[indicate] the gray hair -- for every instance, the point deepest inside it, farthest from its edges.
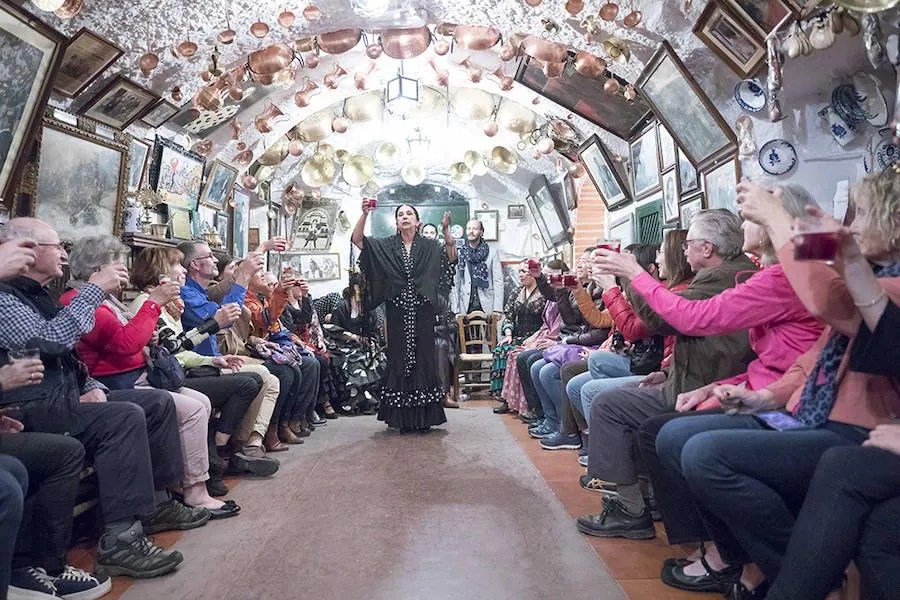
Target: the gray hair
(190, 252)
(795, 199)
(92, 253)
(722, 229)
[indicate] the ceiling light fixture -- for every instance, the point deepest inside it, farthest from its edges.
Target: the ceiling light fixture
(402, 94)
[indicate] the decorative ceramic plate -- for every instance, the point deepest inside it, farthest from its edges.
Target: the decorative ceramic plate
(872, 98)
(457, 231)
(777, 157)
(750, 95)
(880, 151)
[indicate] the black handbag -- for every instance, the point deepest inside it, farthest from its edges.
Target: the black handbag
(164, 371)
(646, 355)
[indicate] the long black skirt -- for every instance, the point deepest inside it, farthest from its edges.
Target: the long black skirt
(411, 397)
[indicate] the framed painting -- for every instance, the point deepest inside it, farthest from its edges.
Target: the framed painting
(490, 220)
(511, 280)
(313, 267)
(81, 181)
(86, 57)
(602, 172)
(313, 227)
(240, 223)
(219, 184)
(719, 185)
(223, 226)
(119, 104)
(689, 208)
(137, 163)
(685, 110)
(763, 15)
(731, 39)
(687, 175)
(515, 212)
(645, 163)
(623, 230)
(176, 174)
(670, 196)
(159, 114)
(548, 210)
(667, 156)
(30, 52)
(180, 224)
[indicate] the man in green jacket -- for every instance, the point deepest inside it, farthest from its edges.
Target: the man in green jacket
(713, 249)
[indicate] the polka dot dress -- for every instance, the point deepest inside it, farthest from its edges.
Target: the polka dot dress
(408, 301)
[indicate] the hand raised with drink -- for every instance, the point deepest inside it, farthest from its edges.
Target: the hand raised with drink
(165, 293)
(757, 204)
(16, 257)
(277, 243)
(614, 263)
(303, 285)
(368, 206)
(227, 314)
(110, 278)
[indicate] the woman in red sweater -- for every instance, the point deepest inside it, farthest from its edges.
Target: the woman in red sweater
(114, 353)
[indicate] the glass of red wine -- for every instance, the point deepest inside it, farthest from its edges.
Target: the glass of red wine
(534, 267)
(815, 238)
(556, 280)
(570, 282)
(611, 245)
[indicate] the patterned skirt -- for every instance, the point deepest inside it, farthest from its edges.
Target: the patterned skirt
(513, 393)
(498, 367)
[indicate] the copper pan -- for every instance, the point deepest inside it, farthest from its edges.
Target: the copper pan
(553, 69)
(264, 64)
(545, 50)
(589, 65)
(476, 37)
(338, 42)
(405, 43)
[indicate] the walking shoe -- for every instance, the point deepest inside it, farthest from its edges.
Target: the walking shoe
(253, 460)
(528, 416)
(583, 460)
(30, 583)
(595, 484)
(502, 409)
(537, 424)
(316, 420)
(75, 584)
(616, 521)
(541, 432)
(132, 553)
(172, 514)
(558, 441)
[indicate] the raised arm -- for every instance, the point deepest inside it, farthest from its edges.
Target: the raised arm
(358, 234)
(449, 242)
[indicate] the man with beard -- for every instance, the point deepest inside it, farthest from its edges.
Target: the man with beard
(479, 277)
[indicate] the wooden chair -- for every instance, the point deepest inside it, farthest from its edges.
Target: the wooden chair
(477, 339)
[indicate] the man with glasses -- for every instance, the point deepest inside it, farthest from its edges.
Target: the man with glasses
(198, 307)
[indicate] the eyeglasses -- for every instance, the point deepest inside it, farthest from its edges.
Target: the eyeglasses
(57, 245)
(210, 255)
(686, 243)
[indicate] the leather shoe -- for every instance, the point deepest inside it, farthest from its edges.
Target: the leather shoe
(711, 581)
(528, 416)
(216, 487)
(502, 409)
(329, 410)
(287, 436)
(271, 441)
(450, 403)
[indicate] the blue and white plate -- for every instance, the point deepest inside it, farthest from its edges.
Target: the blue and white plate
(750, 95)
(777, 157)
(881, 151)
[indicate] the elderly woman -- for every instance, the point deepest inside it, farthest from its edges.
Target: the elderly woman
(114, 354)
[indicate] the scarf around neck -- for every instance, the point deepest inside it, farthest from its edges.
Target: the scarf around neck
(476, 259)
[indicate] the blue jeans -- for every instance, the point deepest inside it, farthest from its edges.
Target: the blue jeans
(749, 480)
(13, 484)
(548, 385)
(573, 391)
(603, 364)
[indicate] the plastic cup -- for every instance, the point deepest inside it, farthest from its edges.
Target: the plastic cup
(556, 280)
(371, 203)
(815, 239)
(25, 354)
(570, 282)
(611, 245)
(534, 267)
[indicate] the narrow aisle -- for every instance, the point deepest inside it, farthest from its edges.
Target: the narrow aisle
(360, 512)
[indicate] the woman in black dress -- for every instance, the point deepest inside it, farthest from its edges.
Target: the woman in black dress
(406, 272)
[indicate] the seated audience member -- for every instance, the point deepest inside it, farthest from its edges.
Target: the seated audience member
(225, 265)
(768, 456)
(713, 249)
(522, 317)
(230, 393)
(351, 338)
(114, 353)
(518, 375)
(114, 434)
(198, 307)
(296, 368)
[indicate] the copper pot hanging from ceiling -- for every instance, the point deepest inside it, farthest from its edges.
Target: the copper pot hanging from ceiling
(227, 35)
(589, 65)
(333, 79)
(374, 51)
(447, 29)
(476, 37)
(361, 78)
(475, 73)
(69, 9)
(236, 127)
(533, 3)
(148, 62)
(609, 11)
(259, 29)
(403, 44)
(611, 86)
(633, 19)
(505, 81)
(249, 182)
(573, 7)
(441, 76)
(203, 147)
(312, 61)
(338, 42)
(236, 91)
(186, 48)
(286, 19)
(545, 50)
(441, 47)
(508, 52)
(243, 157)
(211, 97)
(553, 70)
(262, 119)
(312, 13)
(267, 62)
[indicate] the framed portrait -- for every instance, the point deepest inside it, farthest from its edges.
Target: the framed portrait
(764, 15)
(515, 212)
(688, 181)
(81, 181)
(670, 195)
(490, 219)
(313, 227)
(731, 39)
(137, 163)
(683, 107)
(30, 52)
(180, 223)
(219, 184)
(86, 57)
(176, 174)
(223, 226)
(159, 114)
(511, 281)
(547, 209)
(603, 173)
(119, 104)
(622, 229)
(667, 156)
(645, 163)
(719, 184)
(689, 208)
(585, 97)
(313, 267)
(240, 223)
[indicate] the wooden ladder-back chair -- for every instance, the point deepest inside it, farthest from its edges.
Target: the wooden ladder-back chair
(477, 340)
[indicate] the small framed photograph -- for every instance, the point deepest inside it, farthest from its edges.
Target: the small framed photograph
(731, 38)
(719, 184)
(86, 57)
(667, 156)
(645, 163)
(313, 267)
(159, 114)
(219, 184)
(603, 173)
(180, 223)
(689, 208)
(490, 219)
(670, 196)
(223, 226)
(764, 15)
(515, 212)
(119, 104)
(688, 180)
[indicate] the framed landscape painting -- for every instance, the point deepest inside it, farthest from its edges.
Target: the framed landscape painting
(603, 173)
(119, 104)
(87, 56)
(313, 267)
(30, 52)
(720, 183)
(730, 39)
(645, 163)
(81, 181)
(176, 174)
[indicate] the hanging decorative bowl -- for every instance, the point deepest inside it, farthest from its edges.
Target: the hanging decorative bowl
(750, 95)
(777, 157)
